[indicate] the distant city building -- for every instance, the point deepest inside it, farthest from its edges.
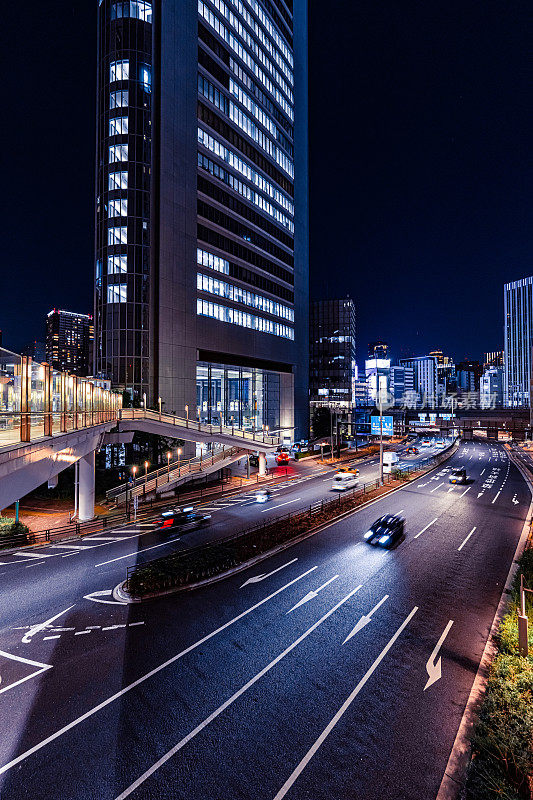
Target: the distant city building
(377, 377)
(438, 355)
(69, 341)
(401, 381)
(378, 350)
(491, 388)
(494, 359)
(518, 338)
(332, 366)
(35, 350)
(425, 377)
(468, 375)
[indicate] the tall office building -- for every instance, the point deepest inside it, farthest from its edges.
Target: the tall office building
(201, 207)
(332, 367)
(378, 350)
(494, 359)
(424, 377)
(69, 341)
(518, 339)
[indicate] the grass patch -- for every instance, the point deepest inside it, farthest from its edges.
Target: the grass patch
(502, 743)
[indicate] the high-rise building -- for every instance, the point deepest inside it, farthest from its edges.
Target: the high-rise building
(378, 350)
(332, 367)
(494, 359)
(491, 388)
(201, 207)
(35, 350)
(425, 377)
(69, 341)
(468, 375)
(401, 382)
(377, 378)
(518, 339)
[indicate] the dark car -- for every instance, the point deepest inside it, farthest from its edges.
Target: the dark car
(414, 450)
(183, 519)
(458, 475)
(386, 530)
(282, 458)
(254, 461)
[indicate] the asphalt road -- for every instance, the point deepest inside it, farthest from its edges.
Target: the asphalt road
(332, 670)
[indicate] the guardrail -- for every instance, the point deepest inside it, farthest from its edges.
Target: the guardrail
(202, 427)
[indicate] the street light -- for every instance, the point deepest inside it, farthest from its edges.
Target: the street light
(168, 464)
(146, 465)
(179, 454)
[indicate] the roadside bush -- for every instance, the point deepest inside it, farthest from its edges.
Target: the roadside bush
(12, 534)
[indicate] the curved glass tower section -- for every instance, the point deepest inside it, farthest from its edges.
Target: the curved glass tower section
(123, 178)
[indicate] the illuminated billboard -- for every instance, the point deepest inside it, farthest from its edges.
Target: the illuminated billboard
(388, 426)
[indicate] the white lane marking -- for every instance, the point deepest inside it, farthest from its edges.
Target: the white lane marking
(425, 529)
(35, 564)
(36, 628)
(481, 473)
(103, 538)
(81, 633)
(132, 624)
(231, 700)
(69, 547)
(138, 552)
(365, 619)
(42, 668)
(467, 538)
(347, 703)
(497, 496)
(434, 668)
(280, 504)
(45, 638)
(435, 488)
(96, 597)
(143, 678)
(32, 555)
(311, 595)
(76, 553)
(465, 491)
(264, 575)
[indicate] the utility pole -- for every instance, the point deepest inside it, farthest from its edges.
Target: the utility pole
(380, 438)
(331, 432)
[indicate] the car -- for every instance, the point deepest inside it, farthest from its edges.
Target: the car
(351, 470)
(386, 530)
(184, 518)
(254, 460)
(458, 475)
(425, 443)
(283, 448)
(282, 457)
(440, 443)
(344, 480)
(263, 495)
(414, 450)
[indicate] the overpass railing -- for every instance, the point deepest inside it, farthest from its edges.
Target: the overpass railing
(37, 401)
(248, 436)
(145, 484)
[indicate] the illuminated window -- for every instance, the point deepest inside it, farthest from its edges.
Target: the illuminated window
(146, 78)
(119, 70)
(117, 235)
(118, 180)
(117, 264)
(138, 9)
(119, 99)
(118, 125)
(117, 293)
(118, 208)
(118, 152)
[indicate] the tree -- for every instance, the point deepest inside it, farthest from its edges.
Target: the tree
(320, 422)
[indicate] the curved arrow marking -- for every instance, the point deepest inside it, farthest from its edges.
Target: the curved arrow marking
(41, 626)
(265, 575)
(434, 668)
(96, 598)
(363, 622)
(311, 595)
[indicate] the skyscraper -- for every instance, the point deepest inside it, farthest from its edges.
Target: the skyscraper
(518, 339)
(201, 207)
(332, 365)
(69, 341)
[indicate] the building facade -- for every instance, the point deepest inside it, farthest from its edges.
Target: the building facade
(518, 340)
(425, 378)
(69, 342)
(201, 293)
(401, 384)
(332, 367)
(494, 359)
(491, 388)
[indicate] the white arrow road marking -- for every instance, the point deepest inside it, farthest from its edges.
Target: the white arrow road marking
(96, 598)
(480, 493)
(425, 529)
(363, 622)
(515, 501)
(227, 703)
(433, 668)
(265, 575)
(467, 538)
(42, 668)
(342, 710)
(33, 555)
(36, 628)
(311, 595)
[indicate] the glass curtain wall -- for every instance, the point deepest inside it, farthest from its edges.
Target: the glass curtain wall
(245, 397)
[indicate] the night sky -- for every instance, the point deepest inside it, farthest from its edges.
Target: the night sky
(420, 178)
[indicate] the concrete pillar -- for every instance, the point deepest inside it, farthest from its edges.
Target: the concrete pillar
(86, 487)
(262, 464)
(52, 482)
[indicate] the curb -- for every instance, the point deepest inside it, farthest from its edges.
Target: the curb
(455, 773)
(120, 594)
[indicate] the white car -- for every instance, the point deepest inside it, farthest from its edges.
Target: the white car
(343, 481)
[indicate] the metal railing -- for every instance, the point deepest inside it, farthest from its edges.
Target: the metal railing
(151, 482)
(262, 437)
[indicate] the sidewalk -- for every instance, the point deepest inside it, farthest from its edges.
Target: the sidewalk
(41, 515)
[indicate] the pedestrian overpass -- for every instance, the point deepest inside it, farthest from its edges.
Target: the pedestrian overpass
(50, 420)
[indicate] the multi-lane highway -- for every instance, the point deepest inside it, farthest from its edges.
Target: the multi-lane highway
(332, 669)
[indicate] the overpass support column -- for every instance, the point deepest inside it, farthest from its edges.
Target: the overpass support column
(262, 464)
(86, 487)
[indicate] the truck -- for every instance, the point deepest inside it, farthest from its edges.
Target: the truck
(390, 459)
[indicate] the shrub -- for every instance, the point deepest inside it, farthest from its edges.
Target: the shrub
(12, 534)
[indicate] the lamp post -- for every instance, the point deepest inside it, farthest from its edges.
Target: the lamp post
(187, 415)
(168, 465)
(145, 475)
(179, 454)
(134, 470)
(380, 438)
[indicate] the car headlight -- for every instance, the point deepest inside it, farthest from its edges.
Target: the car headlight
(368, 534)
(384, 539)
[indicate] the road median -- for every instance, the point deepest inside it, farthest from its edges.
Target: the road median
(198, 566)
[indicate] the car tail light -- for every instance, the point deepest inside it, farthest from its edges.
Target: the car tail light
(167, 523)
